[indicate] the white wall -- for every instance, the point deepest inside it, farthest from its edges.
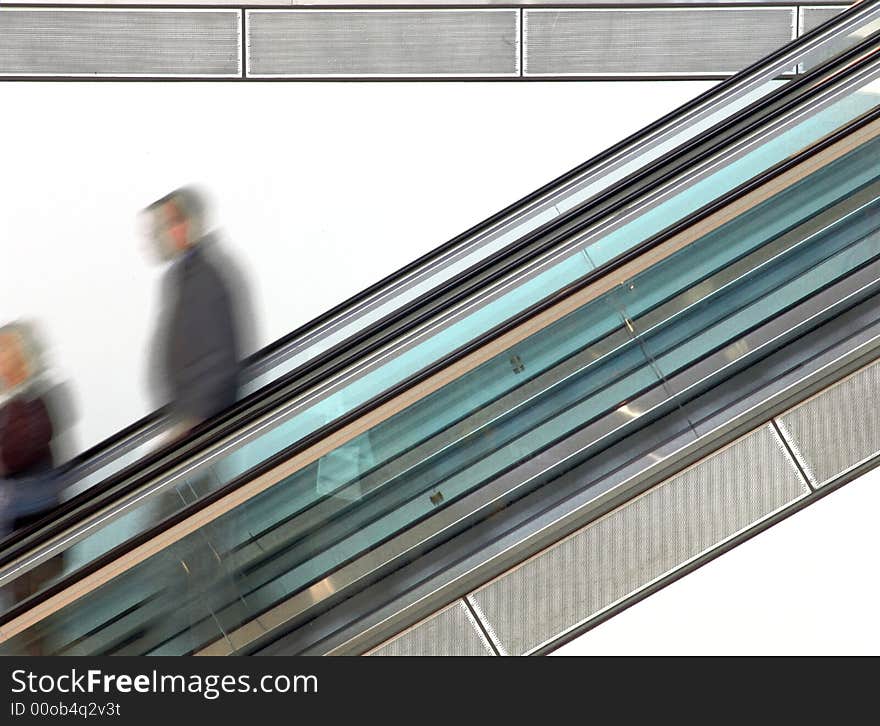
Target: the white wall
(807, 586)
(322, 189)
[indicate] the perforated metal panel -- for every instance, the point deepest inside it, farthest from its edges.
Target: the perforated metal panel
(813, 17)
(452, 631)
(667, 41)
(381, 43)
(838, 429)
(417, 3)
(120, 42)
(635, 545)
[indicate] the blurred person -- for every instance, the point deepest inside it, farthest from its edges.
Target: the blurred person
(198, 349)
(27, 425)
(27, 464)
(205, 327)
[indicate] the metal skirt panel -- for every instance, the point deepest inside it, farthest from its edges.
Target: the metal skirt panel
(838, 429)
(452, 631)
(290, 411)
(639, 543)
(463, 565)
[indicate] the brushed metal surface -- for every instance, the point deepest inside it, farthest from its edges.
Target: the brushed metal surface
(638, 543)
(383, 43)
(111, 42)
(838, 429)
(865, 14)
(452, 631)
(418, 3)
(656, 41)
(812, 17)
(372, 616)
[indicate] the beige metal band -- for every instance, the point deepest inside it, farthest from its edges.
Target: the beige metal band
(437, 381)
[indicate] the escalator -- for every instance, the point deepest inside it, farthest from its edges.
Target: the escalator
(752, 237)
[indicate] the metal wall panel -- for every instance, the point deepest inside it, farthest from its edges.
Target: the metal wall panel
(380, 43)
(838, 429)
(668, 41)
(813, 17)
(638, 543)
(452, 631)
(424, 3)
(37, 42)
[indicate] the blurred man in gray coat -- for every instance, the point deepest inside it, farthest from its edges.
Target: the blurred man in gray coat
(204, 329)
(198, 348)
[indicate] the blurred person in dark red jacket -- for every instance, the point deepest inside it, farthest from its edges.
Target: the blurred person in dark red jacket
(26, 460)
(26, 428)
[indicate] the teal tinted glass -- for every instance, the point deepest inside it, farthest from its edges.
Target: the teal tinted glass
(593, 362)
(273, 437)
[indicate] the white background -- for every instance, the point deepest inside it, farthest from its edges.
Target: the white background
(321, 189)
(808, 585)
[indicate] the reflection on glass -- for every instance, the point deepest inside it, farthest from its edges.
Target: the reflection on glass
(516, 404)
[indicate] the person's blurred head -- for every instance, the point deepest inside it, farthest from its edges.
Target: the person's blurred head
(19, 355)
(177, 221)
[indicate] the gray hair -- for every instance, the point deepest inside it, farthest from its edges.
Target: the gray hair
(30, 346)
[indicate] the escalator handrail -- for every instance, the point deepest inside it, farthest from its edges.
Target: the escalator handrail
(216, 432)
(120, 553)
(635, 143)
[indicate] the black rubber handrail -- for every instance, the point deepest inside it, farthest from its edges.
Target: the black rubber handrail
(481, 227)
(126, 547)
(503, 262)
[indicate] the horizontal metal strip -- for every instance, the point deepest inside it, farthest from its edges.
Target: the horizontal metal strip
(813, 16)
(434, 4)
(375, 43)
(116, 42)
(414, 42)
(645, 42)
